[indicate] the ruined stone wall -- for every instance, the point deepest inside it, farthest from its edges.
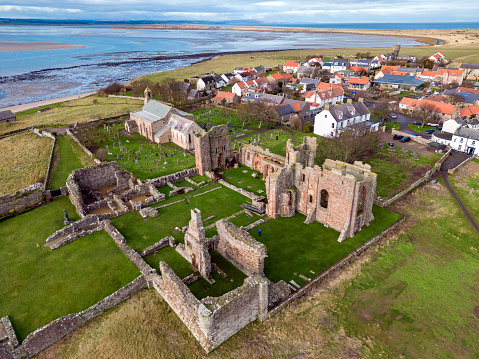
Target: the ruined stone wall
(234, 310)
(261, 160)
(172, 178)
(183, 302)
(95, 177)
(74, 192)
(43, 337)
(87, 151)
(240, 248)
(212, 149)
(22, 199)
(74, 231)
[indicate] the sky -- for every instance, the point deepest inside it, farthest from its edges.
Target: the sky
(286, 11)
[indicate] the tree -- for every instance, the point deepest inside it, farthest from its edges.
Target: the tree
(429, 64)
(349, 146)
(381, 110)
(296, 122)
(426, 112)
(456, 98)
(308, 127)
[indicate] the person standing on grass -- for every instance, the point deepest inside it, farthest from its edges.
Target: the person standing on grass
(259, 232)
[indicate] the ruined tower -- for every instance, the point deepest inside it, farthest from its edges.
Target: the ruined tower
(196, 249)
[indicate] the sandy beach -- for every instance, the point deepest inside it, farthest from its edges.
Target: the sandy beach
(426, 36)
(8, 46)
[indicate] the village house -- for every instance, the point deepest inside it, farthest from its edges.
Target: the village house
(307, 84)
(469, 96)
(239, 70)
(229, 78)
(398, 82)
(385, 70)
(437, 57)
(307, 71)
(260, 70)
(381, 58)
(444, 110)
(337, 79)
(7, 116)
(325, 94)
(358, 83)
(239, 88)
(464, 139)
(206, 83)
(450, 76)
(291, 67)
(471, 71)
(334, 119)
(245, 76)
(315, 61)
(225, 97)
(291, 108)
(336, 65)
(161, 123)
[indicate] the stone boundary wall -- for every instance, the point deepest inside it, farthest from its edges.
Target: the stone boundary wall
(320, 278)
(256, 224)
(426, 177)
(451, 171)
(81, 228)
(240, 190)
(133, 97)
(417, 139)
(22, 199)
(158, 245)
(134, 257)
(182, 200)
(43, 133)
(87, 151)
(47, 176)
(44, 337)
(172, 178)
(10, 336)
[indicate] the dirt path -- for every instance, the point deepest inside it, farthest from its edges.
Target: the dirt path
(463, 207)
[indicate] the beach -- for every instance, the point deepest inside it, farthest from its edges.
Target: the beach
(10, 46)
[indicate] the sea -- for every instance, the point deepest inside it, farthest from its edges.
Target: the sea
(119, 55)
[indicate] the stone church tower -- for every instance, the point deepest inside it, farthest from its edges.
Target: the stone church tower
(147, 95)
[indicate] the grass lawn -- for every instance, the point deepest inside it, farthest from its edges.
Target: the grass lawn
(417, 297)
(420, 129)
(236, 175)
(68, 156)
(219, 116)
(390, 125)
(38, 285)
(150, 164)
(66, 113)
(141, 234)
(294, 247)
(466, 185)
(235, 278)
(23, 161)
(396, 171)
(167, 254)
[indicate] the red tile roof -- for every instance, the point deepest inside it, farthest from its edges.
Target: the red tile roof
(363, 80)
(358, 68)
(290, 64)
(441, 107)
(222, 95)
(469, 111)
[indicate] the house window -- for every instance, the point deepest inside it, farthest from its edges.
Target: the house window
(462, 140)
(310, 199)
(324, 198)
(473, 143)
(332, 125)
(304, 177)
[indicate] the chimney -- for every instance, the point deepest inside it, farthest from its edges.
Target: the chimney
(326, 107)
(360, 99)
(350, 100)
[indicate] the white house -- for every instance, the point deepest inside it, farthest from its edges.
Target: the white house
(437, 57)
(291, 67)
(206, 83)
(333, 119)
(239, 88)
(331, 96)
(466, 140)
(229, 78)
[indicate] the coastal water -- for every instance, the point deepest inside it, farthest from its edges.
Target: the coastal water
(111, 54)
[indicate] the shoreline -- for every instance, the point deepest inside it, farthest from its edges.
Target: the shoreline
(393, 33)
(19, 46)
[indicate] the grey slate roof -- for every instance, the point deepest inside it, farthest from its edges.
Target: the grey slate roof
(469, 66)
(6, 115)
(264, 97)
(310, 82)
(443, 135)
(179, 123)
(399, 80)
(348, 110)
(467, 133)
(468, 97)
(284, 110)
(156, 108)
(147, 116)
(208, 80)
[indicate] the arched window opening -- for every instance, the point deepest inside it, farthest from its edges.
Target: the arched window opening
(324, 198)
(362, 200)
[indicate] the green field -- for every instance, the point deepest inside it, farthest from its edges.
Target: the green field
(397, 171)
(248, 182)
(465, 183)
(141, 234)
(419, 129)
(295, 248)
(68, 113)
(38, 285)
(68, 156)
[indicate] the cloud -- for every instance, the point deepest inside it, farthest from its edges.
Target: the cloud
(36, 9)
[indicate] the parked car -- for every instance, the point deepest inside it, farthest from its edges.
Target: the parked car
(439, 129)
(397, 137)
(392, 115)
(432, 124)
(416, 123)
(405, 139)
(428, 132)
